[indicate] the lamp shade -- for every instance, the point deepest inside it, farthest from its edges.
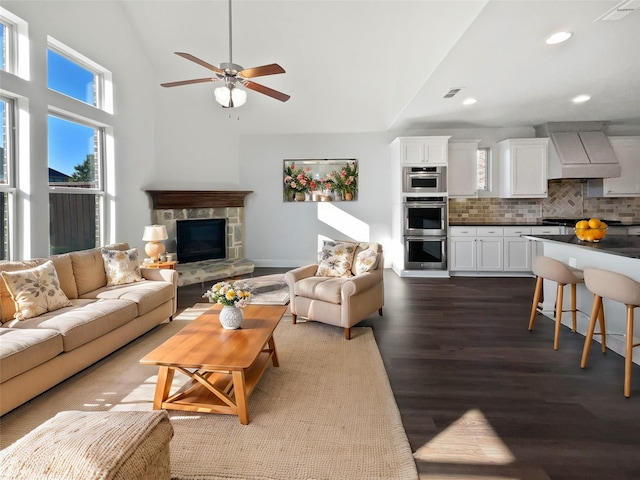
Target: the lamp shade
(155, 233)
(230, 97)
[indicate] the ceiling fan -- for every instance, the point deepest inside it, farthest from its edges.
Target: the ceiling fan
(233, 75)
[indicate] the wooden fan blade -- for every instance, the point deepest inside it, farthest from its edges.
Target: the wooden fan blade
(189, 82)
(188, 56)
(283, 97)
(271, 69)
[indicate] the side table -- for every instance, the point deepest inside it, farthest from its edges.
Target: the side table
(167, 265)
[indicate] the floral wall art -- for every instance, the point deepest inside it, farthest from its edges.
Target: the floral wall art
(320, 180)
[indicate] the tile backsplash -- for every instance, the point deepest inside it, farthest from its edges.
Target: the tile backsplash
(567, 199)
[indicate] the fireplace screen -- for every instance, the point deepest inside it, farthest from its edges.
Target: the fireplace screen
(201, 239)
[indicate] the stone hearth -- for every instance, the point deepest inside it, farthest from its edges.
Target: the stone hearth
(168, 206)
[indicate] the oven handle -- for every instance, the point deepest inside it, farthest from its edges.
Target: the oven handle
(425, 237)
(425, 204)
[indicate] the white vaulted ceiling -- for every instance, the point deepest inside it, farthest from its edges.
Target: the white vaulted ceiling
(365, 66)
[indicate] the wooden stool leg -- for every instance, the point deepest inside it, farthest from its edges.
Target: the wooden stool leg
(556, 338)
(603, 332)
(628, 353)
(597, 304)
(536, 300)
(574, 309)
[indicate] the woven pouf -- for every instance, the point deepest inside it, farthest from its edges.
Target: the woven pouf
(92, 446)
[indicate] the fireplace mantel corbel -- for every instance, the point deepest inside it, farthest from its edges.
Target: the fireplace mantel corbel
(175, 199)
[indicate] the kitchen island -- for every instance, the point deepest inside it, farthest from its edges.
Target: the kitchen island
(616, 253)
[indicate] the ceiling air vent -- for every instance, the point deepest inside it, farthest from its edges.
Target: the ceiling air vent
(621, 10)
(452, 92)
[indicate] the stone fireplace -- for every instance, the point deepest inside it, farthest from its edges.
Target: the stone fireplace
(168, 206)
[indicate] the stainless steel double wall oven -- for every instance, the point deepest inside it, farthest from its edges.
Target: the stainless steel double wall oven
(425, 222)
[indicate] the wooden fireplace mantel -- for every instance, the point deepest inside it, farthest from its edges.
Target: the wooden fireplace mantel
(172, 199)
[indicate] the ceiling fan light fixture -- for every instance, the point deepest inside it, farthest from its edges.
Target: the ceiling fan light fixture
(230, 97)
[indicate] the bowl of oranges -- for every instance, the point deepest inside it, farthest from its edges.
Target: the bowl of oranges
(592, 230)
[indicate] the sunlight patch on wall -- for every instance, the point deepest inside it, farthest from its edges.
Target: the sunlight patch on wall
(469, 440)
(343, 222)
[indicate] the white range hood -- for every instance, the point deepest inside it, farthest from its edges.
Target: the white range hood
(579, 150)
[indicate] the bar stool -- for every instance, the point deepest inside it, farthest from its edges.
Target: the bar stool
(606, 284)
(551, 269)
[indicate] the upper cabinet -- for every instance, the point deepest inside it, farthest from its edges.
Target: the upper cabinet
(423, 150)
(523, 167)
(627, 150)
(462, 171)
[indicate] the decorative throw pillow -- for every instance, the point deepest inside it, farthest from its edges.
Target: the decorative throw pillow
(366, 260)
(35, 291)
(336, 259)
(121, 266)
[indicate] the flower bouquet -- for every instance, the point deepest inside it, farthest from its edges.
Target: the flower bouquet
(345, 180)
(235, 294)
(298, 181)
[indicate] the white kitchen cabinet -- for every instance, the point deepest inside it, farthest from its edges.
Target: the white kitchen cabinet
(423, 150)
(476, 249)
(462, 249)
(462, 169)
(523, 167)
(489, 249)
(627, 150)
(517, 250)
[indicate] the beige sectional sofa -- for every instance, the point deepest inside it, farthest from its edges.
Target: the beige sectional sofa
(40, 352)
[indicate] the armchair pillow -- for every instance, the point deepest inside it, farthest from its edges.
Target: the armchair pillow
(366, 260)
(121, 266)
(336, 259)
(35, 291)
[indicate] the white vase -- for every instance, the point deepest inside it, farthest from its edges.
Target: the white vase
(231, 317)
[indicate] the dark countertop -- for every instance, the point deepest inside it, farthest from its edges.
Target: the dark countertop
(494, 224)
(621, 245)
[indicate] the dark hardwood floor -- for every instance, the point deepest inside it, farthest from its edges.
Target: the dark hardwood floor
(482, 398)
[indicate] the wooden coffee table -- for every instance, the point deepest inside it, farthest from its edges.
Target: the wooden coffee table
(224, 365)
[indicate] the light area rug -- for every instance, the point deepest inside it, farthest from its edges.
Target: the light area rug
(269, 289)
(327, 412)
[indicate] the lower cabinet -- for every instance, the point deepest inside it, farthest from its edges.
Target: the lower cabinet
(495, 249)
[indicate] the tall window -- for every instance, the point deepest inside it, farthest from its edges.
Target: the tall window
(75, 184)
(76, 150)
(7, 186)
(484, 169)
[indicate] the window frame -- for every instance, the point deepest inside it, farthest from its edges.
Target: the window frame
(488, 167)
(100, 191)
(9, 188)
(16, 44)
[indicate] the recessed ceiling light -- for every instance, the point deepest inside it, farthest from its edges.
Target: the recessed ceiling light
(469, 101)
(559, 37)
(581, 99)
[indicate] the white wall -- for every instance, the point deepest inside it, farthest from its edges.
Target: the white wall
(286, 233)
(101, 32)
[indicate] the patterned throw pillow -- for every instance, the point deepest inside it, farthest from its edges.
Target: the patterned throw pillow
(336, 259)
(366, 260)
(35, 291)
(121, 266)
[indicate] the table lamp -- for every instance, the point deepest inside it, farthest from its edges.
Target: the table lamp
(154, 235)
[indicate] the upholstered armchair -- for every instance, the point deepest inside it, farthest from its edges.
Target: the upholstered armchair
(344, 288)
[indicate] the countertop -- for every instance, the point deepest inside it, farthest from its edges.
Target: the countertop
(494, 224)
(621, 245)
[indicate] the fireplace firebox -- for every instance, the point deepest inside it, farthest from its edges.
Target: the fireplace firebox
(201, 239)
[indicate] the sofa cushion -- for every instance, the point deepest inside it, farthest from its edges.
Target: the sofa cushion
(88, 268)
(326, 289)
(121, 266)
(24, 349)
(35, 290)
(336, 259)
(86, 320)
(64, 268)
(147, 295)
(7, 305)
